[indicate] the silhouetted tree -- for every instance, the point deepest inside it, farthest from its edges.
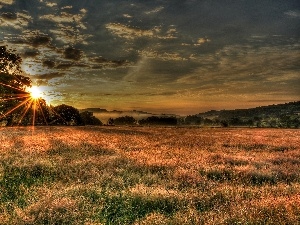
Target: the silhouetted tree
(89, 119)
(65, 115)
(12, 85)
(125, 120)
(41, 116)
(207, 121)
(224, 123)
(193, 120)
(110, 121)
(154, 120)
(235, 121)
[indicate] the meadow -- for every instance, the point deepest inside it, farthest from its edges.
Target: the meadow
(149, 175)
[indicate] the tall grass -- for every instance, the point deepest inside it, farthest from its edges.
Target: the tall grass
(142, 175)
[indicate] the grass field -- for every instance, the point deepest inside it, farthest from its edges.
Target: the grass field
(142, 175)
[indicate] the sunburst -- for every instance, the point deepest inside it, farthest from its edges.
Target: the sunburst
(31, 98)
(35, 93)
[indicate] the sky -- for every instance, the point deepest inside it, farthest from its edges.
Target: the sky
(159, 56)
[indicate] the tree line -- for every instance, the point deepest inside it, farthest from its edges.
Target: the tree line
(285, 120)
(152, 120)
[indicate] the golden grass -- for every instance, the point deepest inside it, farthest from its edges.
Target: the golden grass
(142, 175)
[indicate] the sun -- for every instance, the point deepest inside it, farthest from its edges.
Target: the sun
(35, 92)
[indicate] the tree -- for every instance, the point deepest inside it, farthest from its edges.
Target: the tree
(125, 120)
(39, 112)
(12, 85)
(65, 115)
(110, 121)
(193, 120)
(89, 119)
(154, 120)
(224, 123)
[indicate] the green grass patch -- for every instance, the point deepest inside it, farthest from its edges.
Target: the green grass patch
(126, 209)
(15, 181)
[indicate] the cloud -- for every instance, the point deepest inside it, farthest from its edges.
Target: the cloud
(65, 17)
(72, 53)
(293, 14)
(70, 35)
(243, 70)
(51, 4)
(47, 80)
(128, 32)
(8, 2)
(127, 16)
(69, 65)
(165, 56)
(170, 34)
(48, 76)
(63, 66)
(103, 63)
(156, 10)
(158, 72)
(67, 7)
(34, 38)
(202, 41)
(30, 53)
(132, 33)
(49, 63)
(69, 26)
(199, 42)
(9, 16)
(15, 20)
(40, 40)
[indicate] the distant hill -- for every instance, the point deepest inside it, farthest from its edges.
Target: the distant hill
(281, 115)
(291, 108)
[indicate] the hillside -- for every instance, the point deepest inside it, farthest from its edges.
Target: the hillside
(291, 108)
(281, 115)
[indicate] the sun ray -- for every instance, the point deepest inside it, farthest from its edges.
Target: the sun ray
(15, 94)
(52, 110)
(39, 105)
(34, 111)
(7, 85)
(29, 97)
(24, 113)
(13, 98)
(13, 109)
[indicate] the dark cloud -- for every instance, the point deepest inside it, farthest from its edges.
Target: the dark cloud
(63, 66)
(30, 54)
(48, 76)
(97, 67)
(81, 65)
(43, 79)
(119, 62)
(72, 53)
(39, 40)
(9, 16)
(101, 63)
(99, 59)
(49, 63)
